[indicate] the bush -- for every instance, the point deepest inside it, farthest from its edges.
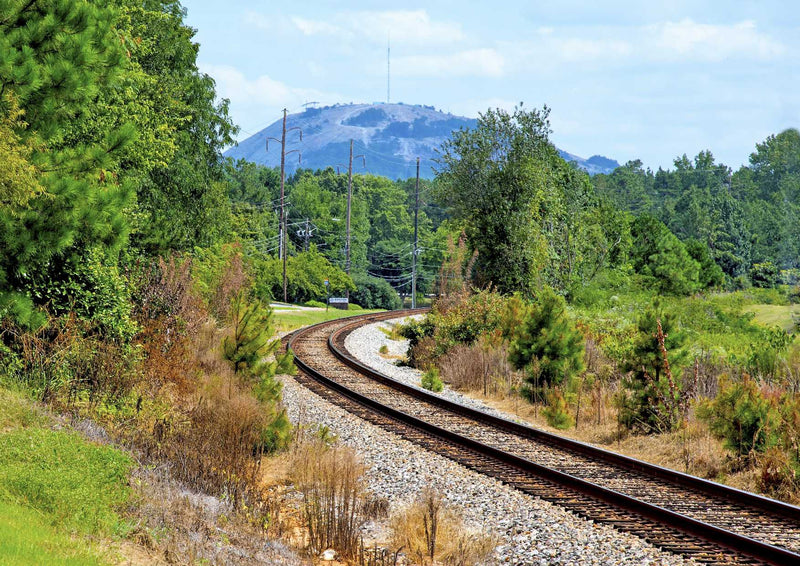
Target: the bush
(764, 275)
(431, 382)
(330, 481)
(543, 339)
(89, 286)
(374, 293)
(314, 304)
(481, 366)
(557, 411)
(429, 530)
(746, 420)
(354, 307)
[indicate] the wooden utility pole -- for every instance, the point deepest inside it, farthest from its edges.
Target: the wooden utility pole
(416, 243)
(282, 229)
(283, 209)
(307, 235)
(349, 201)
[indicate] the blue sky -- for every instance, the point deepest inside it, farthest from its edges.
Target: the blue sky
(646, 80)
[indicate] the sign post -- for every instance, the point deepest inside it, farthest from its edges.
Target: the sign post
(327, 294)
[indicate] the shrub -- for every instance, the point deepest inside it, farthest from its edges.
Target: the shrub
(314, 304)
(218, 275)
(214, 442)
(543, 339)
(764, 275)
(87, 285)
(429, 530)
(655, 398)
(354, 307)
(557, 411)
(743, 417)
(777, 476)
(330, 481)
(430, 380)
(481, 366)
(374, 293)
(65, 360)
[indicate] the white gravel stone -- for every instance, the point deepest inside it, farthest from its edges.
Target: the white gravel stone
(530, 530)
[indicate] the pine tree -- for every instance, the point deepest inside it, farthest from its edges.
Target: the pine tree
(249, 349)
(56, 56)
(546, 341)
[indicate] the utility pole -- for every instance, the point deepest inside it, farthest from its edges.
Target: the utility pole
(307, 234)
(283, 234)
(416, 243)
(349, 200)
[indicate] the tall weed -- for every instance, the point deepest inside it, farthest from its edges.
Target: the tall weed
(330, 480)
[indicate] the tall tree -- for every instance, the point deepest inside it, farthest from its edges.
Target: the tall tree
(56, 57)
(494, 178)
(182, 198)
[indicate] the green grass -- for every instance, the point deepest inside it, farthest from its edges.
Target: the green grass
(775, 315)
(28, 538)
(291, 320)
(56, 489)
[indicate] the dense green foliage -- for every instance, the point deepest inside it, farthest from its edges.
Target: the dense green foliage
(431, 381)
(747, 218)
(531, 217)
(741, 415)
(374, 293)
(544, 340)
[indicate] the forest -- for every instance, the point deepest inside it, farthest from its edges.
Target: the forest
(138, 267)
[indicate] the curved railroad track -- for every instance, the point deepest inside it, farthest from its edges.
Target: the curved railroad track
(712, 523)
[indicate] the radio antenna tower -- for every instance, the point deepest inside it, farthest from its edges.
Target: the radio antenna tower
(388, 67)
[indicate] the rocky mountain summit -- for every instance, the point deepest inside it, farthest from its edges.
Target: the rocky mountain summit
(390, 136)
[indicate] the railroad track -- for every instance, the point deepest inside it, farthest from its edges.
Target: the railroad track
(712, 523)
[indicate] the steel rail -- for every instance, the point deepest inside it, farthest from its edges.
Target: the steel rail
(724, 538)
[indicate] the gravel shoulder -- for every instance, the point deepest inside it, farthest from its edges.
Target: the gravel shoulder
(530, 531)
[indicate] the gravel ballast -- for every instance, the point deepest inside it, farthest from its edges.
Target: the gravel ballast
(529, 530)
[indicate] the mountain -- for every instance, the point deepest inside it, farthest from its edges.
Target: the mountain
(390, 136)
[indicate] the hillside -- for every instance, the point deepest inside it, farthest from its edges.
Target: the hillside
(391, 136)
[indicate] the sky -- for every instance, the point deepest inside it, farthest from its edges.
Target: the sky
(628, 80)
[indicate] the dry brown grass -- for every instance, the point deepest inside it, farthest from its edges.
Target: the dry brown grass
(692, 449)
(482, 366)
(430, 532)
(178, 525)
(193, 410)
(334, 498)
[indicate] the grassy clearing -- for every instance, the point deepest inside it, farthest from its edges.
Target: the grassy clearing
(775, 315)
(292, 320)
(28, 538)
(54, 484)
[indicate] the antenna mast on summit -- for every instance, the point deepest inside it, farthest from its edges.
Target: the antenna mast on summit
(388, 67)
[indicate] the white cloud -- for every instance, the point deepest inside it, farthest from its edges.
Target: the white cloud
(232, 84)
(258, 102)
(684, 41)
(475, 106)
(470, 63)
(316, 27)
(712, 42)
(413, 27)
